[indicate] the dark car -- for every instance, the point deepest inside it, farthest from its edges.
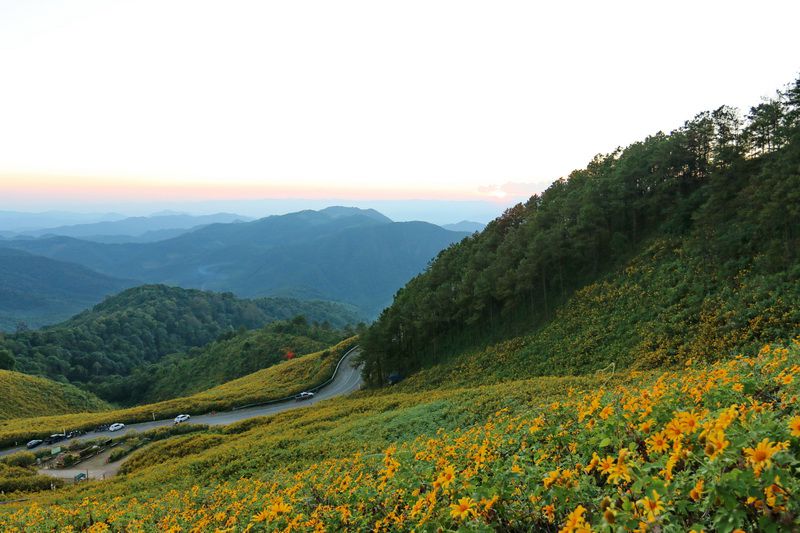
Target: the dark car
(55, 437)
(34, 443)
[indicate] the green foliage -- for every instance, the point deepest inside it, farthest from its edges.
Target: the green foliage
(661, 308)
(7, 361)
(22, 459)
(171, 449)
(140, 326)
(18, 475)
(278, 381)
(234, 355)
(133, 441)
(24, 396)
(711, 208)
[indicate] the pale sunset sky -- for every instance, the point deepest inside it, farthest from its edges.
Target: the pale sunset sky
(112, 103)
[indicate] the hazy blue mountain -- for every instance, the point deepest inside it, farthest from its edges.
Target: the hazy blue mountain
(345, 254)
(149, 236)
(16, 222)
(39, 291)
(465, 225)
(137, 226)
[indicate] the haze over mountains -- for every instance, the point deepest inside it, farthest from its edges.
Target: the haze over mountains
(137, 229)
(356, 256)
(38, 291)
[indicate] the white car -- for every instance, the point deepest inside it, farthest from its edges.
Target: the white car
(304, 396)
(116, 427)
(182, 418)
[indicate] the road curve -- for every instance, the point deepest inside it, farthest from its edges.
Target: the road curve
(346, 380)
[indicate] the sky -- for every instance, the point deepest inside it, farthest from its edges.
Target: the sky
(203, 106)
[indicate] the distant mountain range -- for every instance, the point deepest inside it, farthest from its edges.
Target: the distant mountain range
(134, 229)
(465, 225)
(357, 256)
(13, 222)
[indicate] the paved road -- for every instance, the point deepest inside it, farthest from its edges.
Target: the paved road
(94, 468)
(346, 380)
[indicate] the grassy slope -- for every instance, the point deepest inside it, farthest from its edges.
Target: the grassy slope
(30, 396)
(658, 310)
(284, 379)
(521, 447)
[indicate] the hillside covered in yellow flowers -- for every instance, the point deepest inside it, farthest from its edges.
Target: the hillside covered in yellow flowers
(707, 447)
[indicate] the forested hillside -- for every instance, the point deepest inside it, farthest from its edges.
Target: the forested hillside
(233, 355)
(36, 291)
(141, 325)
(684, 244)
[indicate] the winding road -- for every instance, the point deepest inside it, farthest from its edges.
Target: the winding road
(346, 380)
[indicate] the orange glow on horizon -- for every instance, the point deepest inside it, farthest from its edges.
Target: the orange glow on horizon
(33, 187)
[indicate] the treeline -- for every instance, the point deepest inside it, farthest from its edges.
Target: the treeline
(141, 325)
(232, 355)
(726, 186)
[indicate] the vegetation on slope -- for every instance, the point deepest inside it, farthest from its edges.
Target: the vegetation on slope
(644, 316)
(233, 355)
(284, 379)
(142, 325)
(18, 474)
(712, 447)
(29, 396)
(710, 209)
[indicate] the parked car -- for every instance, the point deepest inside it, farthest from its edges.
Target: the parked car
(304, 396)
(55, 437)
(116, 427)
(181, 418)
(34, 443)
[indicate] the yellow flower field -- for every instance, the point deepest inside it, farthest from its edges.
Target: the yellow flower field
(706, 448)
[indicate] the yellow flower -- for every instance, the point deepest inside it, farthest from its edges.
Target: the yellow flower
(606, 465)
(606, 412)
(551, 478)
(658, 443)
(689, 421)
(463, 509)
(262, 516)
(738, 387)
(575, 522)
(794, 426)
(651, 507)
(516, 469)
(487, 504)
(280, 507)
(697, 492)
(760, 457)
(673, 430)
(446, 477)
(549, 512)
(592, 464)
(715, 443)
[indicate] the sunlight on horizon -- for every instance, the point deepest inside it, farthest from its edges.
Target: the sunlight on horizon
(434, 100)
